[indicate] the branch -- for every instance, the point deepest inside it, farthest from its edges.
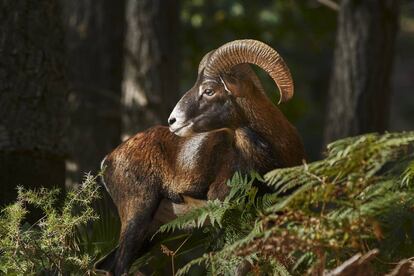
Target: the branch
(358, 265)
(330, 4)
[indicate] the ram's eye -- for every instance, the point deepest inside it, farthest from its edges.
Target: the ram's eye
(208, 92)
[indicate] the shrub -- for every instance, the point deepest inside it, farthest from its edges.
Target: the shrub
(51, 245)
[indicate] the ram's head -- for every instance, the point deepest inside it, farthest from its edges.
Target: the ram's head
(223, 79)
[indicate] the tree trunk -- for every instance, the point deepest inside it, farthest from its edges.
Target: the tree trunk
(32, 96)
(359, 95)
(94, 43)
(150, 83)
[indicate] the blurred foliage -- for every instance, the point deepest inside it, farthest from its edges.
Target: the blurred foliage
(361, 196)
(402, 104)
(303, 32)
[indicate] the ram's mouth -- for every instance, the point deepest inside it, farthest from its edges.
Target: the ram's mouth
(182, 131)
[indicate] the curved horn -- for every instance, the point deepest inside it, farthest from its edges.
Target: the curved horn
(255, 52)
(203, 62)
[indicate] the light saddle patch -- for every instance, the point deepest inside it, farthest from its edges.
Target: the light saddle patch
(189, 156)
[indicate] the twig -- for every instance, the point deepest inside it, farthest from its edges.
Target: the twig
(176, 251)
(171, 253)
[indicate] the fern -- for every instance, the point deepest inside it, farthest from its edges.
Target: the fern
(213, 212)
(360, 196)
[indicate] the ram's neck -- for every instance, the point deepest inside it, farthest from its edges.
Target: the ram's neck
(267, 140)
(254, 151)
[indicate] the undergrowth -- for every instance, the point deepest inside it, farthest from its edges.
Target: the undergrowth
(66, 240)
(360, 197)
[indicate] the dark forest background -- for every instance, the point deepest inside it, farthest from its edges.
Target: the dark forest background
(79, 77)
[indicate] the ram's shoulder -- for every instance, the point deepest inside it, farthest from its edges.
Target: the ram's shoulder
(146, 149)
(149, 139)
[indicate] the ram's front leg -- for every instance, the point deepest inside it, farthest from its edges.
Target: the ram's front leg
(136, 217)
(134, 233)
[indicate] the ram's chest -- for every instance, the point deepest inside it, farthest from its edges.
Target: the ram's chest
(195, 167)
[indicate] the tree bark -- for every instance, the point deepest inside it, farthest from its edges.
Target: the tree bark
(32, 96)
(94, 42)
(359, 95)
(150, 83)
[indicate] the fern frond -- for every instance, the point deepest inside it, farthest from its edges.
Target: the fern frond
(213, 212)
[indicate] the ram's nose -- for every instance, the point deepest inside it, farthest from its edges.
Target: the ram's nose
(171, 121)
